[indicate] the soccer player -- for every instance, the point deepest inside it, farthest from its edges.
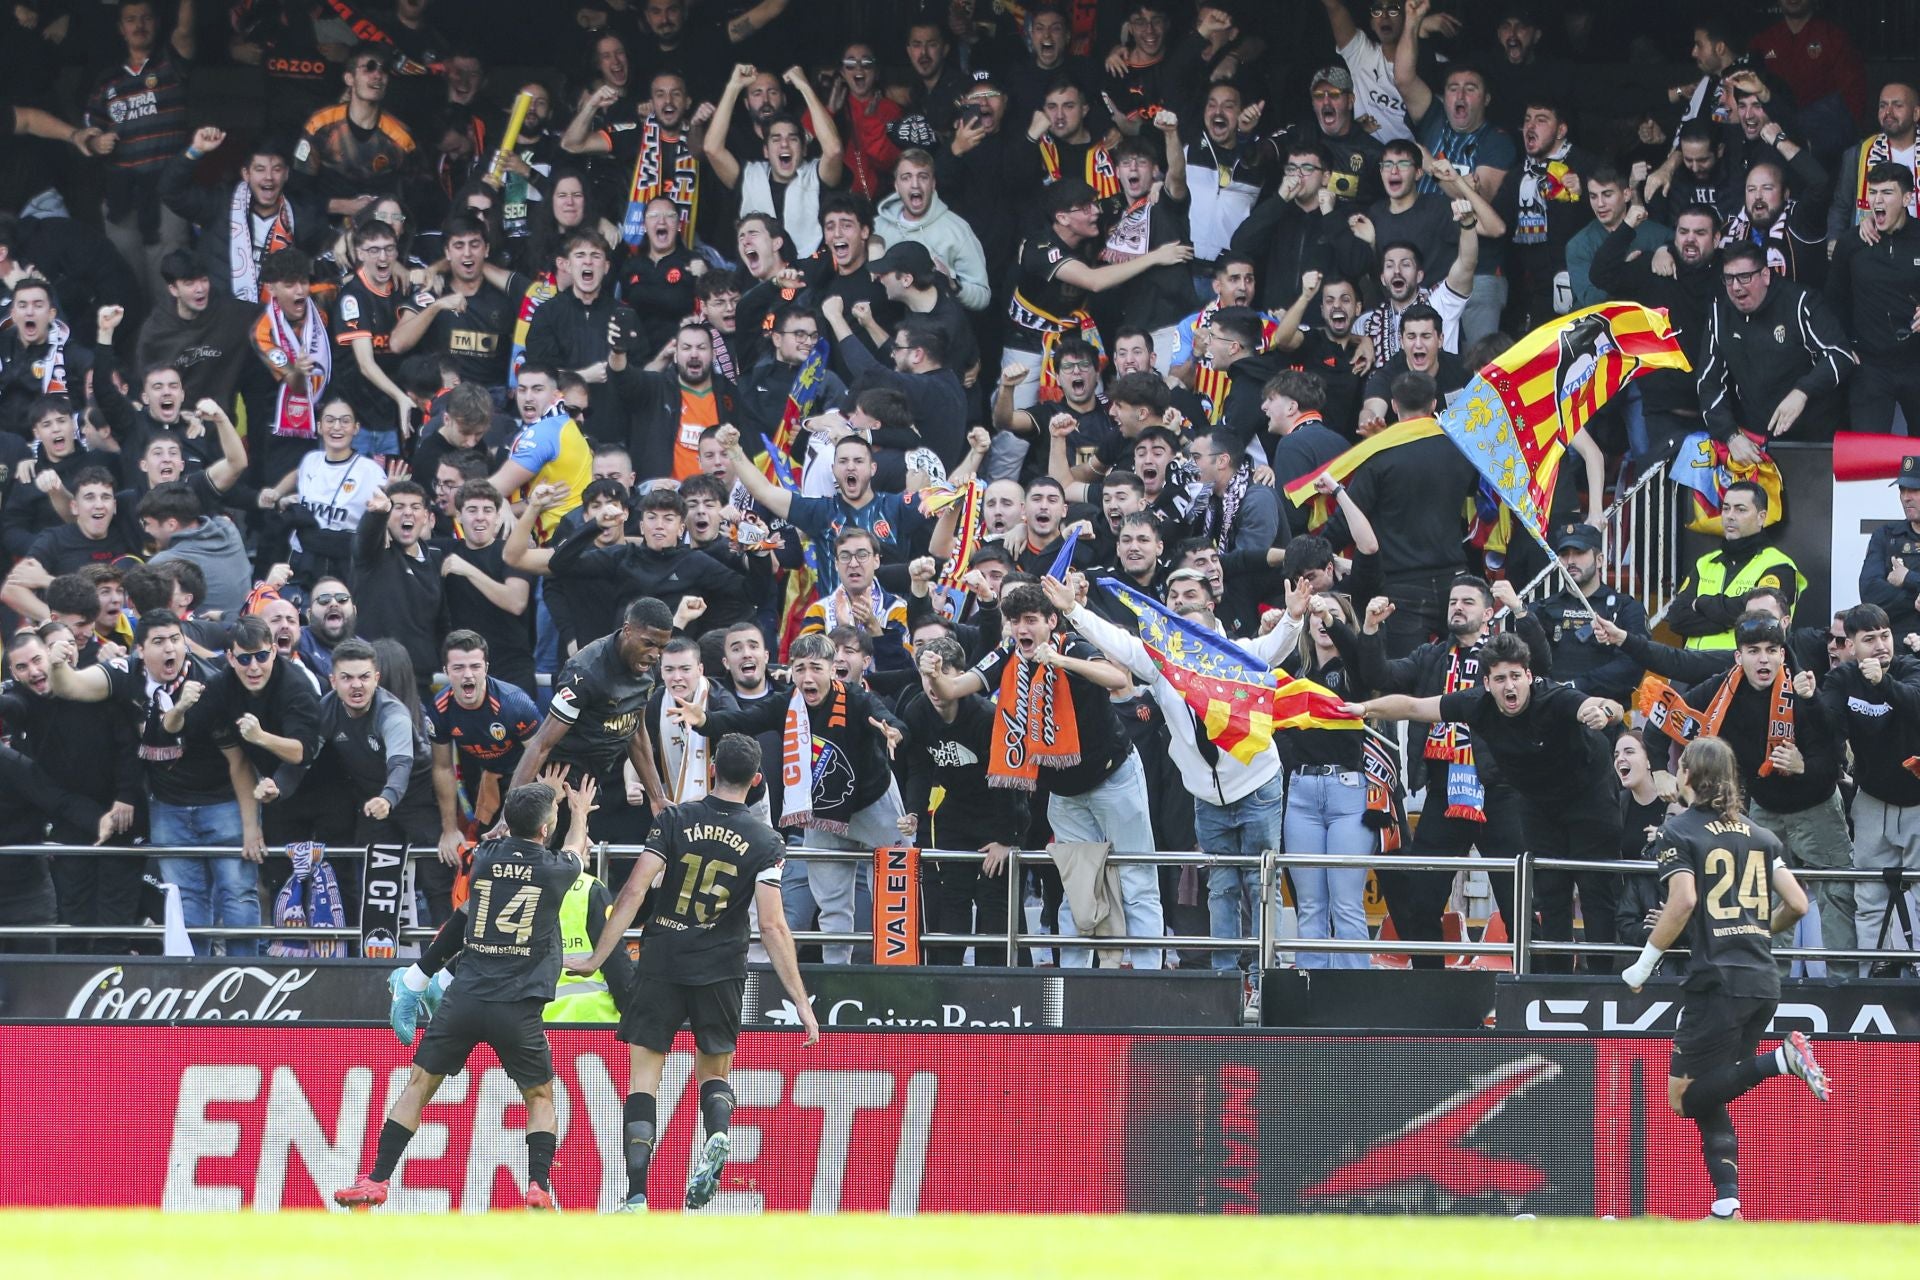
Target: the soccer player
(693, 957)
(595, 721)
(1732, 986)
(510, 969)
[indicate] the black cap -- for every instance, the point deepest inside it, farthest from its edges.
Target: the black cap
(1068, 193)
(1909, 477)
(1583, 536)
(909, 257)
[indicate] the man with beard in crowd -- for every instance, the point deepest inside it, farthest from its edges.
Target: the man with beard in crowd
(669, 410)
(1789, 224)
(1353, 154)
(1332, 350)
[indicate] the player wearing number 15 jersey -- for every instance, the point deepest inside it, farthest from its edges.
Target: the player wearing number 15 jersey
(1721, 875)
(716, 861)
(511, 963)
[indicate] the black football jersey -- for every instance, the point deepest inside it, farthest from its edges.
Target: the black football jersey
(1730, 933)
(603, 699)
(512, 949)
(716, 852)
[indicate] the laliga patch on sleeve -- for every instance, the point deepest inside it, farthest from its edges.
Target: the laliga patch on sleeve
(301, 152)
(277, 358)
(423, 299)
(349, 308)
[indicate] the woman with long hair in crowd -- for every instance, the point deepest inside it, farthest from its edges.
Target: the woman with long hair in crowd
(1327, 795)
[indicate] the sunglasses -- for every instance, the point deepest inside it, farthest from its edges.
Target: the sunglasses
(333, 597)
(252, 659)
(859, 64)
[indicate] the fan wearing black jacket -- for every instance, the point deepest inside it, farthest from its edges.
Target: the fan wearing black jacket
(1875, 699)
(1416, 898)
(1669, 401)
(946, 749)
(663, 566)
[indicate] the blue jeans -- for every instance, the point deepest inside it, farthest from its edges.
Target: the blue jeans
(1250, 824)
(1326, 813)
(212, 890)
(1116, 812)
(377, 444)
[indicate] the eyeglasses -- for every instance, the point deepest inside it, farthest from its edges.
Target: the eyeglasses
(333, 597)
(855, 555)
(1078, 366)
(1391, 10)
(337, 420)
(1405, 165)
(1295, 169)
(811, 335)
(445, 485)
(861, 64)
(1741, 277)
(261, 658)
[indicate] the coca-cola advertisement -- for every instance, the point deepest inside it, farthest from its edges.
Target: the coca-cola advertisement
(259, 989)
(212, 1116)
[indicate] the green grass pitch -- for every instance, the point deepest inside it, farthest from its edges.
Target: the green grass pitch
(293, 1246)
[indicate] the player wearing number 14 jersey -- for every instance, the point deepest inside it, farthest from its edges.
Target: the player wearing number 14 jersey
(715, 861)
(511, 963)
(1721, 874)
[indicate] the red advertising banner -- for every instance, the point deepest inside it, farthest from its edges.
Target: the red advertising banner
(227, 1117)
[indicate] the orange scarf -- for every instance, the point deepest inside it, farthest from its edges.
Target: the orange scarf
(1669, 713)
(1036, 725)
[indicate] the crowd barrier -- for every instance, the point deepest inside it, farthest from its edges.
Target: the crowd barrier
(895, 933)
(218, 1117)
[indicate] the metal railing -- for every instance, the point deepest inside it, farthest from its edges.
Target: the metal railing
(1639, 546)
(1522, 948)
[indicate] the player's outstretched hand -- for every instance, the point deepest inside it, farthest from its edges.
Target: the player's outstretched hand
(581, 799)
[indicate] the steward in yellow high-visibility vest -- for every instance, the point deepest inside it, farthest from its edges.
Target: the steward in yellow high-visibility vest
(596, 997)
(1715, 593)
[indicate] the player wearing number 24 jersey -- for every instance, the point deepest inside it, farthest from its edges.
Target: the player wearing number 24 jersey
(1722, 875)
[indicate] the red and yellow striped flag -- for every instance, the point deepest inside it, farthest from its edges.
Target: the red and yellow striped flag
(1516, 417)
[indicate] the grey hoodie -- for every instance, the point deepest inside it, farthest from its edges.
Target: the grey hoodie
(948, 238)
(216, 546)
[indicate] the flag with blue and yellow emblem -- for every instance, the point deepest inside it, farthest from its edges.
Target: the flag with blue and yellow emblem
(1516, 417)
(1241, 701)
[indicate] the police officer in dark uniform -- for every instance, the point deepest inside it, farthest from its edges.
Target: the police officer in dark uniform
(1579, 658)
(1890, 575)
